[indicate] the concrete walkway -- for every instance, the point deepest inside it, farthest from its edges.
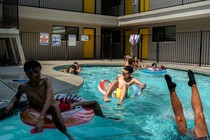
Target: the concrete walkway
(63, 82)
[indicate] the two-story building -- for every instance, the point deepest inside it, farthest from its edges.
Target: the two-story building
(103, 28)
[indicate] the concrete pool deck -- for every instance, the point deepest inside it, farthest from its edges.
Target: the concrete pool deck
(63, 82)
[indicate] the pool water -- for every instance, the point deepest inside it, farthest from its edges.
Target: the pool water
(145, 117)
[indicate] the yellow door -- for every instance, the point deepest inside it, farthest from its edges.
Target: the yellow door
(89, 6)
(88, 50)
(127, 43)
(128, 7)
(145, 42)
(144, 5)
(147, 3)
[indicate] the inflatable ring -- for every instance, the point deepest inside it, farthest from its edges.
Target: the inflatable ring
(154, 72)
(103, 85)
(77, 116)
(132, 91)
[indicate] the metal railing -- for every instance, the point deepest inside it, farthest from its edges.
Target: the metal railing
(67, 5)
(160, 4)
(10, 8)
(34, 49)
(191, 48)
(10, 18)
(77, 5)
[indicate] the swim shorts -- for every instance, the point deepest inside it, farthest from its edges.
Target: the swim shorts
(64, 107)
(202, 138)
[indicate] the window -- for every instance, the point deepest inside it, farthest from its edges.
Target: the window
(166, 33)
(59, 30)
(64, 31)
(73, 30)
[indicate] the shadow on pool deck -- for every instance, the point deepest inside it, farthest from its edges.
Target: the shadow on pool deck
(62, 82)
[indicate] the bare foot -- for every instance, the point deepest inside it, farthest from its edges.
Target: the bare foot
(119, 103)
(106, 99)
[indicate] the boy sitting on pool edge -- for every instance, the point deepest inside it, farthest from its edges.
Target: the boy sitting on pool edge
(39, 93)
(123, 82)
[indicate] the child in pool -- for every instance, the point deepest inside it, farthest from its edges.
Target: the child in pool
(78, 68)
(73, 70)
(122, 82)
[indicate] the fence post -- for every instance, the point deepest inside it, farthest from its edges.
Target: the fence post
(17, 6)
(66, 54)
(138, 47)
(131, 51)
(110, 47)
(201, 44)
(141, 46)
(157, 51)
(102, 47)
(39, 3)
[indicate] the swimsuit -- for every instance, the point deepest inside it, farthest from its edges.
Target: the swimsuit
(202, 138)
(191, 135)
(64, 107)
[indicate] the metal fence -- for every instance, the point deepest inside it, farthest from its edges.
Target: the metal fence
(154, 4)
(34, 50)
(191, 48)
(9, 14)
(115, 10)
(111, 49)
(188, 48)
(102, 47)
(67, 5)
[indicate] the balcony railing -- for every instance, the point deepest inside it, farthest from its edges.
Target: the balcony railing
(77, 5)
(160, 4)
(9, 8)
(9, 17)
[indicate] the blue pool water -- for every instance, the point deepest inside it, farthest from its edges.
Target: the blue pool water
(145, 117)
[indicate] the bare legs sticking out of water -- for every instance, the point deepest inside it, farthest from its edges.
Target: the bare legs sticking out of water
(200, 129)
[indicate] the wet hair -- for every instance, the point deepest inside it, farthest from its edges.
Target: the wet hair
(135, 56)
(153, 64)
(75, 70)
(137, 60)
(127, 57)
(162, 67)
(127, 69)
(32, 66)
(130, 61)
(76, 63)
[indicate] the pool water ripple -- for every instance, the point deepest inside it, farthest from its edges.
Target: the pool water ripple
(145, 117)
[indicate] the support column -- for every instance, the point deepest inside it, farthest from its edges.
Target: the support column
(13, 50)
(14, 34)
(20, 49)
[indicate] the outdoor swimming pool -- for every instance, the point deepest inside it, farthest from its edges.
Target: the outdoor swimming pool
(145, 117)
